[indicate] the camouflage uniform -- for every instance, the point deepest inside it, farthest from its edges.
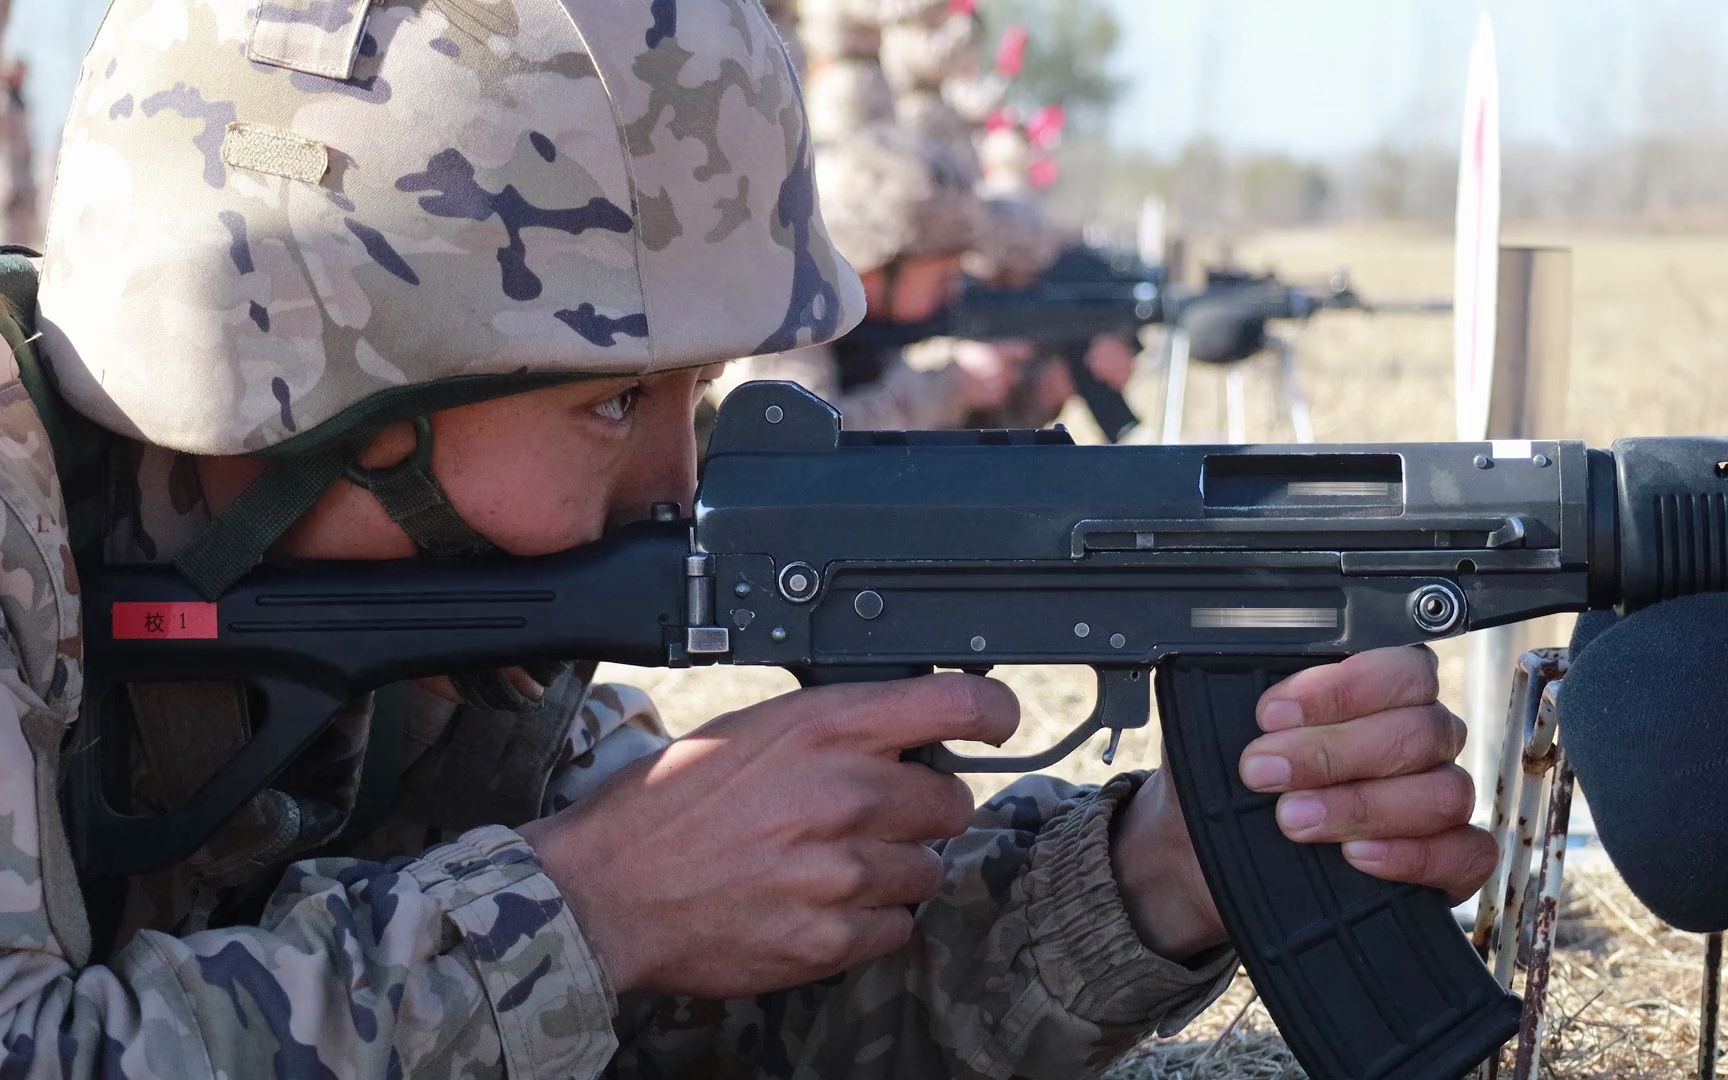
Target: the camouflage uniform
(213, 287)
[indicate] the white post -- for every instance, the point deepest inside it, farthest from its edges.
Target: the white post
(1527, 400)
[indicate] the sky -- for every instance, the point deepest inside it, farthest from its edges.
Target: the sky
(1313, 78)
(1326, 77)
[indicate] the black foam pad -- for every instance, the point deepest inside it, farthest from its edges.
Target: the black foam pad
(1223, 330)
(1644, 719)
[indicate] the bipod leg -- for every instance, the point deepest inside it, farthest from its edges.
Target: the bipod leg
(1711, 1008)
(1236, 402)
(1547, 910)
(1290, 383)
(1175, 389)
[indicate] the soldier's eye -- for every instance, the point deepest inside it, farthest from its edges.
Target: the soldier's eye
(619, 407)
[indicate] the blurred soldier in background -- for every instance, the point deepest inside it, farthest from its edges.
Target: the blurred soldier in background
(897, 103)
(904, 224)
(1017, 244)
(844, 88)
(924, 43)
(18, 197)
(931, 56)
(902, 211)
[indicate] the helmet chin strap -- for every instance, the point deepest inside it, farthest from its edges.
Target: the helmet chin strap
(418, 504)
(238, 538)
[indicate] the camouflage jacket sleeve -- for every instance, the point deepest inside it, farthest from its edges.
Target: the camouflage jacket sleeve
(1024, 966)
(904, 398)
(462, 962)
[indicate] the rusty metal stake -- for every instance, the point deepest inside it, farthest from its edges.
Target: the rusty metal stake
(1547, 910)
(1711, 1008)
(1526, 756)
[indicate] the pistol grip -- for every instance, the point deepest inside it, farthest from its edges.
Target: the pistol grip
(1109, 408)
(1366, 979)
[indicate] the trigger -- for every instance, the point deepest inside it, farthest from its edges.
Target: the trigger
(1124, 701)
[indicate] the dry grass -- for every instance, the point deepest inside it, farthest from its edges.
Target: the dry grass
(1649, 357)
(1624, 1006)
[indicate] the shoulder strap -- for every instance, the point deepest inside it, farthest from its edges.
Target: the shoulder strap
(80, 447)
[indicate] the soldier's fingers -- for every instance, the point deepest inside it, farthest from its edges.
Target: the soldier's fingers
(1456, 861)
(871, 933)
(1362, 685)
(895, 716)
(901, 874)
(1395, 743)
(922, 804)
(1397, 807)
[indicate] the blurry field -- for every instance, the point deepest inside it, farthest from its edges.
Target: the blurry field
(1649, 358)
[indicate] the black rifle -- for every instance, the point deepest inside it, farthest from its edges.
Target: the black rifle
(1089, 292)
(860, 556)
(1086, 293)
(1226, 322)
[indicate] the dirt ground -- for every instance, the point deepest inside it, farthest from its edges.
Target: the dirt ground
(1648, 358)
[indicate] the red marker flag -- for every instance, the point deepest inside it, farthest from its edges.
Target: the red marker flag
(1045, 129)
(963, 7)
(143, 620)
(1011, 54)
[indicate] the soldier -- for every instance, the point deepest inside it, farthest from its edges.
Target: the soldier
(904, 225)
(924, 44)
(844, 89)
(488, 254)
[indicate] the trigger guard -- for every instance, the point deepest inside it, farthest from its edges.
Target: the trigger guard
(1124, 701)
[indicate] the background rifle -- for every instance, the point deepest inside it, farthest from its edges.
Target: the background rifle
(863, 556)
(1090, 292)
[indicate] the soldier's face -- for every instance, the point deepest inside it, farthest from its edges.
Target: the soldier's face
(548, 470)
(918, 288)
(535, 473)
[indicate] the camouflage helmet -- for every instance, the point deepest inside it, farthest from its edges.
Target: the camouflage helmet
(1015, 243)
(278, 225)
(888, 199)
(784, 15)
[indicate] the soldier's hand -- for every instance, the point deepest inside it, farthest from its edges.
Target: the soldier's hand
(985, 372)
(1362, 754)
(774, 845)
(1111, 361)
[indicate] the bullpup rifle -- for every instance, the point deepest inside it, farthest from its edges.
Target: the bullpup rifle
(843, 556)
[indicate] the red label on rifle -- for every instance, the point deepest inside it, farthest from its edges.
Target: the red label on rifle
(169, 621)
